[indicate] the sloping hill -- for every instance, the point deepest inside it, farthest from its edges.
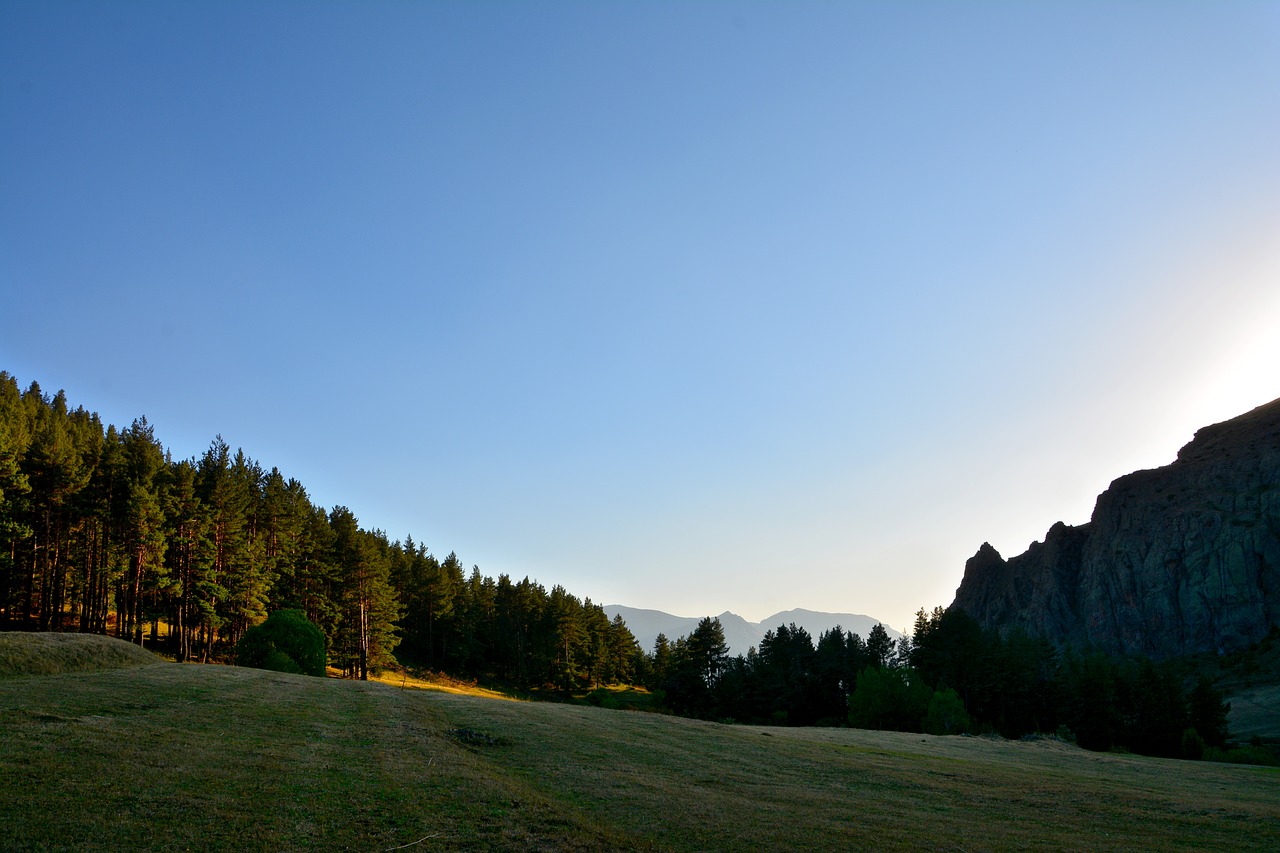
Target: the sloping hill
(221, 758)
(23, 653)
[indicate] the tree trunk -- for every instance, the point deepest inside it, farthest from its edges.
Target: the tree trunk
(364, 641)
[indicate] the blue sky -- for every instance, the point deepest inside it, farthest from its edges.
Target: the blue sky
(696, 307)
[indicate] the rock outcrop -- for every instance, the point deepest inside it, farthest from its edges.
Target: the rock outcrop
(1176, 560)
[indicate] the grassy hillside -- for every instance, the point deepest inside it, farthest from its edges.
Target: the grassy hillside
(1251, 682)
(203, 757)
(49, 654)
(1255, 712)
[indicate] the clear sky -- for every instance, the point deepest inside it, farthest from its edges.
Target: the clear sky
(686, 306)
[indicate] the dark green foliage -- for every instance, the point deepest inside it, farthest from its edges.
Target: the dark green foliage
(879, 646)
(697, 663)
(951, 677)
(660, 662)
(1253, 753)
(365, 634)
(1091, 707)
(286, 642)
(1158, 709)
(277, 661)
(830, 669)
(891, 699)
(946, 714)
(785, 681)
(1208, 713)
(1192, 745)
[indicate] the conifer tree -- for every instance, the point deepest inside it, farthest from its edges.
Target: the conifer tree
(365, 635)
(660, 665)
(57, 472)
(249, 577)
(14, 487)
(879, 646)
(187, 526)
(143, 538)
(1208, 713)
(442, 590)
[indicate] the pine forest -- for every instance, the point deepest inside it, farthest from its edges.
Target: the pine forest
(104, 532)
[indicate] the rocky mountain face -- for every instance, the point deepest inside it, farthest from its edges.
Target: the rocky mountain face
(1177, 560)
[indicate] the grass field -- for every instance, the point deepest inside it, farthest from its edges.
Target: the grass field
(188, 757)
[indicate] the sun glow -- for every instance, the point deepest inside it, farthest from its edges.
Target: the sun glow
(1246, 372)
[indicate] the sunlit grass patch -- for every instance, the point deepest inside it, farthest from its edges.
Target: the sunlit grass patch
(621, 698)
(437, 681)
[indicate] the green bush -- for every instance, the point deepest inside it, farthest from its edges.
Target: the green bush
(1192, 745)
(278, 661)
(287, 642)
(947, 715)
(889, 699)
(1252, 754)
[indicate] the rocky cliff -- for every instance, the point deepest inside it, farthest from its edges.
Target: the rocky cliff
(1176, 560)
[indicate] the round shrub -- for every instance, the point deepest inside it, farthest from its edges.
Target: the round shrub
(287, 642)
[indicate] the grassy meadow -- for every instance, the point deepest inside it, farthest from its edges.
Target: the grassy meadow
(189, 757)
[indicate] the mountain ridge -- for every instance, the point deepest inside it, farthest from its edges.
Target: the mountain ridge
(740, 634)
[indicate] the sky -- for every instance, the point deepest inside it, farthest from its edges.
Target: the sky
(685, 306)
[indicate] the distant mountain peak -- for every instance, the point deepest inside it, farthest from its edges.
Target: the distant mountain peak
(739, 634)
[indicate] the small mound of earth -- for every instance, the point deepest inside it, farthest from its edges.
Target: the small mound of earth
(24, 653)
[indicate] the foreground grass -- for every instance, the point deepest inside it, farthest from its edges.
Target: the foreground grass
(202, 757)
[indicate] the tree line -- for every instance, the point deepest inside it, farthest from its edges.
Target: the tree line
(102, 531)
(949, 676)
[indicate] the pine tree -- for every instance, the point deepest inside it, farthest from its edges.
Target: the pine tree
(224, 550)
(879, 646)
(660, 665)
(1208, 713)
(14, 488)
(571, 639)
(829, 687)
(187, 530)
(443, 587)
(57, 471)
(143, 537)
(365, 636)
(249, 576)
(697, 662)
(623, 652)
